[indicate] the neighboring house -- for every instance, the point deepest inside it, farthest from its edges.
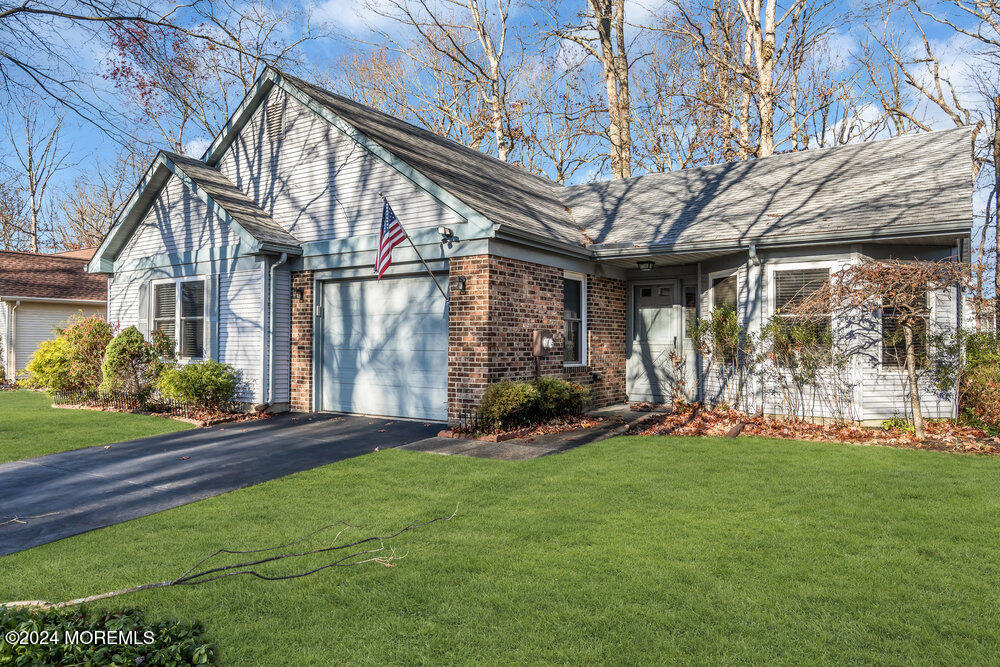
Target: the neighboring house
(260, 255)
(39, 293)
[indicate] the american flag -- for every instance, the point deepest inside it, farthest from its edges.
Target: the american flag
(389, 237)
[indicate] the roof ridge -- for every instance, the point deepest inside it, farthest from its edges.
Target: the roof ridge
(28, 253)
(457, 144)
(810, 153)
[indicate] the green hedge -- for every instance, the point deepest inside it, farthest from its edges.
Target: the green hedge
(48, 639)
(207, 384)
(511, 404)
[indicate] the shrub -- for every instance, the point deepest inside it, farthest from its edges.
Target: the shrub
(981, 397)
(132, 364)
(206, 384)
(559, 398)
(49, 367)
(170, 642)
(72, 361)
(88, 338)
(981, 349)
(507, 404)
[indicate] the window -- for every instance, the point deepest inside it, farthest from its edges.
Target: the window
(184, 326)
(690, 309)
(894, 342)
(797, 332)
(724, 292)
(574, 321)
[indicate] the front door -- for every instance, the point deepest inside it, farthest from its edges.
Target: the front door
(656, 341)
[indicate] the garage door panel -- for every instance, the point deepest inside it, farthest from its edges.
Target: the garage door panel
(385, 348)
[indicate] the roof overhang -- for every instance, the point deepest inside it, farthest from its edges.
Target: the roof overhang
(142, 199)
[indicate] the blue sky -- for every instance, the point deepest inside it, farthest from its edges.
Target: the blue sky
(351, 24)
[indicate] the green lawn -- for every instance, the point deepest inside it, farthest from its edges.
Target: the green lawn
(630, 550)
(29, 426)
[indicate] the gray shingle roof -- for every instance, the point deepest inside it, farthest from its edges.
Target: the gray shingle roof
(236, 203)
(869, 189)
(504, 193)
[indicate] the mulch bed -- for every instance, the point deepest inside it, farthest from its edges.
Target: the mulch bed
(942, 435)
(196, 417)
(554, 426)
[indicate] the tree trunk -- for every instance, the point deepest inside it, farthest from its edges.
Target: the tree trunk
(611, 30)
(911, 377)
(996, 213)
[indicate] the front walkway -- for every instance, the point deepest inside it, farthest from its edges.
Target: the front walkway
(51, 497)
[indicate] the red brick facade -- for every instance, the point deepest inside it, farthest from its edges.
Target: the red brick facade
(302, 337)
(491, 325)
(490, 331)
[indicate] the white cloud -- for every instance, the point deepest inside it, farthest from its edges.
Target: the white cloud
(195, 147)
(353, 16)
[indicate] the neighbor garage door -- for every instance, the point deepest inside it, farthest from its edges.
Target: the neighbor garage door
(384, 349)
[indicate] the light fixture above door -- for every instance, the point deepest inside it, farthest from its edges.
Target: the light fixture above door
(645, 265)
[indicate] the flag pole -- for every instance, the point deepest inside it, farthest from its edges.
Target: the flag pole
(414, 246)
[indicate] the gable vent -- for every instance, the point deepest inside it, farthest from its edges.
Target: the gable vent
(275, 120)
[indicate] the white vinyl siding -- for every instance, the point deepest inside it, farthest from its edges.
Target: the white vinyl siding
(319, 184)
(123, 302)
(35, 322)
(241, 300)
(177, 222)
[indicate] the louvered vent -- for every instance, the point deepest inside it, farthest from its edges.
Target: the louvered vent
(275, 120)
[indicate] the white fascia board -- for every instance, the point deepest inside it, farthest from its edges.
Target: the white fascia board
(480, 223)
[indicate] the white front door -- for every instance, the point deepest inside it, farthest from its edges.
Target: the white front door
(384, 347)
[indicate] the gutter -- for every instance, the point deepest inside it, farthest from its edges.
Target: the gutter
(9, 334)
(40, 299)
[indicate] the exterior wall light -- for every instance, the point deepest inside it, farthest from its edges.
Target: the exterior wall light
(645, 266)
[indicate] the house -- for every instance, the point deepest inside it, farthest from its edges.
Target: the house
(260, 254)
(39, 293)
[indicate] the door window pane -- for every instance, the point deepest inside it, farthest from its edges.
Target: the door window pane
(724, 292)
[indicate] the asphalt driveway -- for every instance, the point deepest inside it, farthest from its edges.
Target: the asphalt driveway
(51, 497)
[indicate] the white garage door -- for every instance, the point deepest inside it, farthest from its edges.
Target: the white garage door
(36, 322)
(385, 347)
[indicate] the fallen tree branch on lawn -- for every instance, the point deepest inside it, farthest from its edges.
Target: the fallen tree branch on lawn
(193, 576)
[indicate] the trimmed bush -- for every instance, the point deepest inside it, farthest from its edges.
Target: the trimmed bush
(49, 367)
(981, 349)
(981, 397)
(559, 398)
(132, 364)
(510, 404)
(507, 404)
(163, 643)
(206, 384)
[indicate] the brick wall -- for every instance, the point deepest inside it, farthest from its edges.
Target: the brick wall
(491, 326)
(302, 338)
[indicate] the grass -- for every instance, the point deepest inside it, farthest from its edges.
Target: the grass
(633, 550)
(29, 426)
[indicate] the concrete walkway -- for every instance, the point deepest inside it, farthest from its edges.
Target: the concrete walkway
(56, 496)
(620, 417)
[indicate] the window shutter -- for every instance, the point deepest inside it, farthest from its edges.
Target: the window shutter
(212, 316)
(793, 287)
(143, 317)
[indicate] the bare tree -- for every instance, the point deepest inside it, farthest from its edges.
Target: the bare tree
(94, 200)
(36, 149)
(12, 210)
(599, 30)
(462, 45)
(558, 119)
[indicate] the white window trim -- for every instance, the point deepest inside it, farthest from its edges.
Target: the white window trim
(724, 273)
(830, 264)
(584, 347)
(177, 312)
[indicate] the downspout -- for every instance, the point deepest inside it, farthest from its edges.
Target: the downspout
(271, 333)
(700, 393)
(10, 341)
(756, 261)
